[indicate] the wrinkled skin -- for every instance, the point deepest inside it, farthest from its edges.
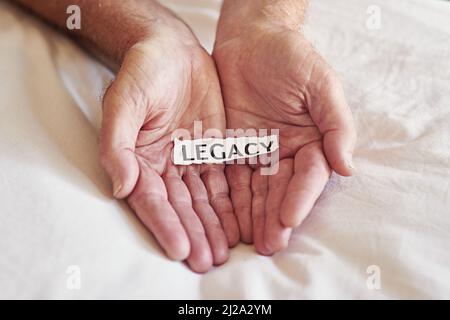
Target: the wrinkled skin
(271, 77)
(165, 84)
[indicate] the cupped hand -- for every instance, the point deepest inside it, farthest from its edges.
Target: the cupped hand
(272, 78)
(166, 83)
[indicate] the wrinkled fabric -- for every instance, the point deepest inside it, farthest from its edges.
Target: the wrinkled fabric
(56, 209)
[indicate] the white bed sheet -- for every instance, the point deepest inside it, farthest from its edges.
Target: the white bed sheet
(56, 211)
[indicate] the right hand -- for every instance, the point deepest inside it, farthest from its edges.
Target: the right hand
(166, 82)
(272, 78)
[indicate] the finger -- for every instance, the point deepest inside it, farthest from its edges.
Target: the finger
(200, 258)
(333, 117)
(239, 179)
(259, 192)
(211, 223)
(276, 235)
(120, 127)
(312, 173)
(150, 202)
(219, 197)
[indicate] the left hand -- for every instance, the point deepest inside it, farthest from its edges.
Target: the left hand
(272, 78)
(167, 81)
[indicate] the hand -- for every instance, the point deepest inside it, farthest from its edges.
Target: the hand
(272, 78)
(167, 82)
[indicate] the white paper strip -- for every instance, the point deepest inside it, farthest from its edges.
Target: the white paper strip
(213, 150)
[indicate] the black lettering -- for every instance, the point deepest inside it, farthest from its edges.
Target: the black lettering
(184, 152)
(247, 149)
(200, 151)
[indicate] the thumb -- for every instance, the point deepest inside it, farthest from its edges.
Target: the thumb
(120, 128)
(334, 119)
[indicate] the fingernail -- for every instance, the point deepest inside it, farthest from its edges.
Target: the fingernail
(116, 188)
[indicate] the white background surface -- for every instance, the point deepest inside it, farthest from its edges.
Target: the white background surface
(56, 211)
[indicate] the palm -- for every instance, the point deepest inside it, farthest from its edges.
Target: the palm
(276, 81)
(186, 207)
